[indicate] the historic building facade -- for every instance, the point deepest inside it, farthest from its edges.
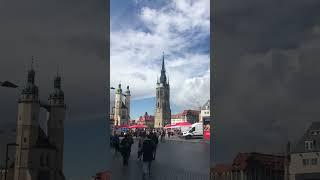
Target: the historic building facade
(39, 155)
(147, 120)
(121, 110)
(163, 110)
(247, 166)
(304, 158)
(191, 116)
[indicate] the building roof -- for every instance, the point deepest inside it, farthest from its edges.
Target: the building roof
(186, 113)
(246, 160)
(222, 168)
(206, 106)
(312, 134)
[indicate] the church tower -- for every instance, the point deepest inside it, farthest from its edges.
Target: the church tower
(55, 124)
(27, 129)
(163, 110)
(127, 101)
(118, 104)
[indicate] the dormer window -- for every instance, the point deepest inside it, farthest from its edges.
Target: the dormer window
(309, 145)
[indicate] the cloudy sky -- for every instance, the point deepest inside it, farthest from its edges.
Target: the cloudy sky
(70, 34)
(141, 30)
(267, 63)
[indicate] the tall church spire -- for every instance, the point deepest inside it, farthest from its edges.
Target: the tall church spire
(163, 78)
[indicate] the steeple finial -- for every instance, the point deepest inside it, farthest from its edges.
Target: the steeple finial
(163, 67)
(163, 78)
(32, 61)
(31, 73)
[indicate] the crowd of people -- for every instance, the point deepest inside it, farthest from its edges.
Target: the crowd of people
(147, 142)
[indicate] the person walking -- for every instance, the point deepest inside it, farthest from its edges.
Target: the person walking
(163, 133)
(155, 140)
(131, 142)
(140, 144)
(125, 149)
(147, 152)
(116, 144)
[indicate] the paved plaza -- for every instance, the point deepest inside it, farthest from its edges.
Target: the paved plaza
(176, 160)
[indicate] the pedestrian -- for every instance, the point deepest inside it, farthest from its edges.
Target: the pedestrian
(116, 144)
(140, 144)
(125, 149)
(155, 140)
(131, 142)
(163, 133)
(147, 152)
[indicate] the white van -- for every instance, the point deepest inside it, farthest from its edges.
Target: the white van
(195, 131)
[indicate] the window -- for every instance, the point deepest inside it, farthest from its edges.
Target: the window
(24, 140)
(308, 145)
(314, 161)
(305, 162)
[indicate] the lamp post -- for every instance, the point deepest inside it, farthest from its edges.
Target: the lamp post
(7, 158)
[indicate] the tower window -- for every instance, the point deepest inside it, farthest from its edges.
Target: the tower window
(24, 140)
(309, 145)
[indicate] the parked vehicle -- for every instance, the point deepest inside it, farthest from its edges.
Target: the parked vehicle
(195, 131)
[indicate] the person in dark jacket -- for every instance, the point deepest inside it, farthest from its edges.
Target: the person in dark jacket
(155, 140)
(147, 152)
(116, 144)
(125, 147)
(131, 141)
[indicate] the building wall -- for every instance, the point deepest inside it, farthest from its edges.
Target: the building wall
(204, 114)
(297, 166)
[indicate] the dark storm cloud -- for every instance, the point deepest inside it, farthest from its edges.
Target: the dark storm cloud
(68, 34)
(268, 74)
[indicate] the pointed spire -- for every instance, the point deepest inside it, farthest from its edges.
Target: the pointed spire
(31, 72)
(163, 67)
(163, 78)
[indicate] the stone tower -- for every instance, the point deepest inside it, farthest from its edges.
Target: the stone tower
(127, 100)
(163, 110)
(39, 156)
(27, 130)
(55, 124)
(117, 108)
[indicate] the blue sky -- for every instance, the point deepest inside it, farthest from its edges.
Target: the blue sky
(141, 30)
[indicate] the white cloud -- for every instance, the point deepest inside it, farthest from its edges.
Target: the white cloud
(176, 29)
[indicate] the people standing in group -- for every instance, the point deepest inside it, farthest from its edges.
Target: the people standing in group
(125, 148)
(148, 147)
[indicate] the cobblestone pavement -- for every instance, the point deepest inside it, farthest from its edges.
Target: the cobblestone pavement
(175, 160)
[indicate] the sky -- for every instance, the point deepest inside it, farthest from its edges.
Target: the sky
(267, 74)
(141, 31)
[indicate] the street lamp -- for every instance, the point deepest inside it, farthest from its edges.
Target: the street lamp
(7, 158)
(8, 84)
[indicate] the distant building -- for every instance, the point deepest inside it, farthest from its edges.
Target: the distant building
(163, 110)
(249, 166)
(205, 112)
(39, 154)
(304, 159)
(191, 116)
(147, 120)
(121, 110)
